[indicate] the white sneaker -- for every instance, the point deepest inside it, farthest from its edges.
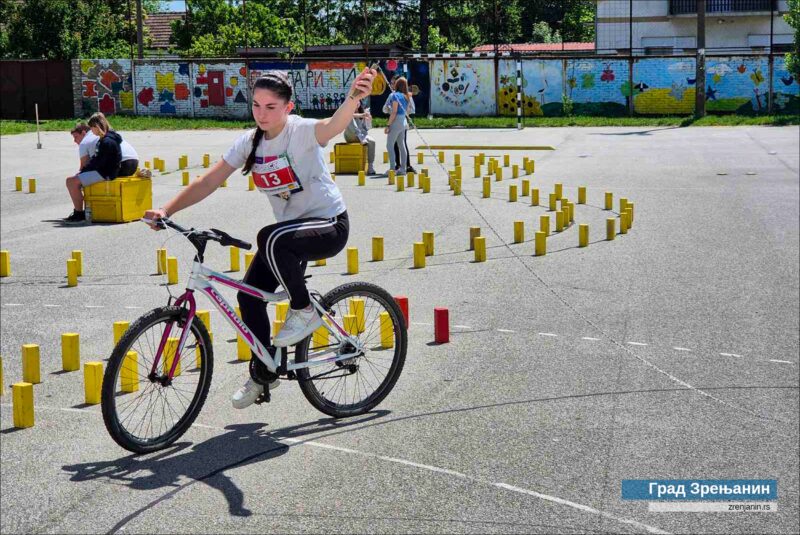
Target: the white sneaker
(248, 394)
(298, 325)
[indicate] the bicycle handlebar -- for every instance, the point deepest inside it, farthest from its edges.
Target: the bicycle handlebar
(214, 234)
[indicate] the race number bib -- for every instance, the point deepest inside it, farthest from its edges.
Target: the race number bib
(274, 175)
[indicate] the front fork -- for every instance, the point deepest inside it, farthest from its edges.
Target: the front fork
(165, 379)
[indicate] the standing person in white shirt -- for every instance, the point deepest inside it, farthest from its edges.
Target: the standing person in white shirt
(412, 109)
(284, 153)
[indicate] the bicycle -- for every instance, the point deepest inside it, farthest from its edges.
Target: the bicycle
(363, 338)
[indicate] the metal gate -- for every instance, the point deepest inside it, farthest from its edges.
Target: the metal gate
(26, 83)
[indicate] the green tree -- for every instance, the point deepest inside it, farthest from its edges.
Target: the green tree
(219, 27)
(793, 57)
(573, 19)
(65, 29)
(543, 33)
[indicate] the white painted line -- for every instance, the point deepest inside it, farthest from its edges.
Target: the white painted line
(321, 445)
(590, 338)
(301, 442)
(94, 306)
(462, 327)
(637, 343)
(205, 426)
(52, 306)
(133, 308)
(505, 331)
(547, 334)
(781, 361)
(730, 355)
(423, 466)
(580, 507)
(13, 305)
(682, 349)
(420, 323)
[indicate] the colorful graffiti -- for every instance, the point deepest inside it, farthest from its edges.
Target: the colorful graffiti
(216, 90)
(161, 89)
(785, 89)
(596, 86)
(737, 84)
(463, 87)
(105, 86)
(542, 82)
(662, 86)
(318, 86)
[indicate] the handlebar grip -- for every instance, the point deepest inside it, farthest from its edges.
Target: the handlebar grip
(241, 244)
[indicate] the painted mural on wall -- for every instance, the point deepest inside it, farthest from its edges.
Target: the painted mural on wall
(321, 87)
(463, 87)
(597, 86)
(318, 86)
(662, 86)
(220, 90)
(737, 84)
(785, 88)
(163, 88)
(106, 85)
(542, 87)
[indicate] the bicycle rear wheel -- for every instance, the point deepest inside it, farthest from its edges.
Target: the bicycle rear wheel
(141, 412)
(356, 385)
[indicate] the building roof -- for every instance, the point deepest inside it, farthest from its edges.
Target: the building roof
(159, 27)
(537, 47)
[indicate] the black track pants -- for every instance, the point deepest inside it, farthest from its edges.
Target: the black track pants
(284, 250)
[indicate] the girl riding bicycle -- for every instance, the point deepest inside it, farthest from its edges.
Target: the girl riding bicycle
(284, 153)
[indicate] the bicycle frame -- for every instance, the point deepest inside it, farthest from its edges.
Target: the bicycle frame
(202, 279)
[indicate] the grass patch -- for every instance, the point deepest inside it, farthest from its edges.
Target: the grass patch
(128, 123)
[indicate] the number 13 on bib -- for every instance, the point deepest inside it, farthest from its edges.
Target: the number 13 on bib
(274, 175)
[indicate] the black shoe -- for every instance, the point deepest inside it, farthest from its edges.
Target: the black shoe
(410, 169)
(76, 217)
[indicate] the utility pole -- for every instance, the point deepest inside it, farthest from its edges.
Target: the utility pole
(630, 57)
(424, 21)
(139, 40)
(771, 56)
(700, 74)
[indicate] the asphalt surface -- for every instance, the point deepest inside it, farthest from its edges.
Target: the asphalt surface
(670, 352)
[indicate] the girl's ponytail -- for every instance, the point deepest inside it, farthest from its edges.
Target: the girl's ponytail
(251, 159)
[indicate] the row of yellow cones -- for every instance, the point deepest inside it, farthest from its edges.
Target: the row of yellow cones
(160, 164)
(22, 392)
(563, 218)
(480, 159)
(31, 184)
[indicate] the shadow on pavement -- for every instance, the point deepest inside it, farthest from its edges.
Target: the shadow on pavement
(206, 461)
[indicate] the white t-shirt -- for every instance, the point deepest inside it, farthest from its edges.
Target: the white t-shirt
(88, 147)
(296, 155)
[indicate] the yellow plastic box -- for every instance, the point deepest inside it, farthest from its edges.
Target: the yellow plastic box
(120, 200)
(350, 158)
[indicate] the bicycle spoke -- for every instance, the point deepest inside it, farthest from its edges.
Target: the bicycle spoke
(152, 411)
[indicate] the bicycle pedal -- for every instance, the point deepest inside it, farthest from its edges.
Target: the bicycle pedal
(263, 398)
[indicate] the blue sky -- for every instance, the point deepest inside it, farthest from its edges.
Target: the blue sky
(174, 5)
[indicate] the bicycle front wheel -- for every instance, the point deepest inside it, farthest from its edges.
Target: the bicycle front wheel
(356, 385)
(142, 411)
